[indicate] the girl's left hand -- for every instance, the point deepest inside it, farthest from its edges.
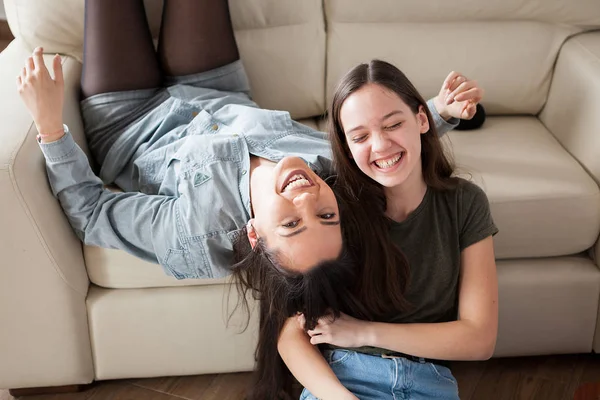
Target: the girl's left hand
(458, 97)
(343, 332)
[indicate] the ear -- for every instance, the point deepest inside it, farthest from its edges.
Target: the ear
(422, 120)
(251, 232)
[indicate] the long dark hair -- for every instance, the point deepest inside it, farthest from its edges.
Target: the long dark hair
(326, 289)
(437, 166)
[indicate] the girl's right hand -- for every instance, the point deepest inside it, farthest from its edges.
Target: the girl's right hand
(43, 96)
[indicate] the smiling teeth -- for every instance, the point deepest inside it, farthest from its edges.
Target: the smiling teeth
(388, 163)
(296, 182)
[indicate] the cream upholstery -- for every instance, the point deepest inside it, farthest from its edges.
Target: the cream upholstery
(538, 192)
(71, 314)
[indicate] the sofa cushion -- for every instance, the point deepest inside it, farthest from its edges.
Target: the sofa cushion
(508, 46)
(543, 201)
(282, 47)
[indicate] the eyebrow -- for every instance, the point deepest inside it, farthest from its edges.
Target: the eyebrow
(304, 228)
(386, 116)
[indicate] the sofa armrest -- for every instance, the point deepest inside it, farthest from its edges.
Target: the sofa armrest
(571, 111)
(44, 337)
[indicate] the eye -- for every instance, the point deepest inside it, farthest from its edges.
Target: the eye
(392, 127)
(359, 139)
(292, 224)
(327, 216)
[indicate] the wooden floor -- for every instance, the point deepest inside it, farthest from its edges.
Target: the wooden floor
(530, 378)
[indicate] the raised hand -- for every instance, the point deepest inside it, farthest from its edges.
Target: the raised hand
(43, 95)
(458, 97)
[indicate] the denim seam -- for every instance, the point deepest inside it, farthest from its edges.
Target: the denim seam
(64, 156)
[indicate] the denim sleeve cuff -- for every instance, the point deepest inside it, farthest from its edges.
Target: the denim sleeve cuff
(440, 123)
(59, 149)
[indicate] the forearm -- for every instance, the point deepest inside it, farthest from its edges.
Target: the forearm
(143, 225)
(456, 340)
(307, 364)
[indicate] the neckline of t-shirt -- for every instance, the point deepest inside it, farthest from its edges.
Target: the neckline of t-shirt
(417, 210)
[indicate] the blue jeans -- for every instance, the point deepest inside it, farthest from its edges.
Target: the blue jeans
(372, 377)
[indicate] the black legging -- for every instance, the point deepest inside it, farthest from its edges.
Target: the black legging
(195, 36)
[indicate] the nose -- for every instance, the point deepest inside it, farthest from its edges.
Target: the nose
(304, 199)
(381, 142)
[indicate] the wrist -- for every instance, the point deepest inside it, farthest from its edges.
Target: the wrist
(440, 106)
(49, 136)
(368, 334)
(49, 128)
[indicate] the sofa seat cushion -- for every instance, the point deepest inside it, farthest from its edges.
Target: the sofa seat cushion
(542, 200)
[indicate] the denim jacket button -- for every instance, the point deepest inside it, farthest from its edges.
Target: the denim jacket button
(214, 127)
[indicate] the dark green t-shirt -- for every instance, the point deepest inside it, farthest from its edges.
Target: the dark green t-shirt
(432, 238)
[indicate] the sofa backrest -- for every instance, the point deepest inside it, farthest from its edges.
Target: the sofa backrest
(296, 50)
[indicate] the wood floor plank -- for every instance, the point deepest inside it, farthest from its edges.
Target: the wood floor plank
(127, 391)
(499, 381)
(550, 390)
(575, 378)
(468, 374)
(558, 368)
(527, 387)
(229, 387)
(188, 387)
(592, 369)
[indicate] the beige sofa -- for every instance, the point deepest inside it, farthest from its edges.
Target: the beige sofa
(71, 314)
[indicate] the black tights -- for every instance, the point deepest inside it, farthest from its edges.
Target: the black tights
(195, 36)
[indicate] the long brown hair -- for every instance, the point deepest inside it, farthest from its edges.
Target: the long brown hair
(437, 166)
(327, 289)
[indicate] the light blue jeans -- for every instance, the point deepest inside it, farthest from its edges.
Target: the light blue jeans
(372, 377)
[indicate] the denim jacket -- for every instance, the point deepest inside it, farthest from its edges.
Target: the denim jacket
(186, 192)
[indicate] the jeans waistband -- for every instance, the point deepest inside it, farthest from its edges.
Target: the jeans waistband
(394, 354)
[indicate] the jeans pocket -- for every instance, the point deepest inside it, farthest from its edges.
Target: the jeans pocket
(443, 373)
(337, 356)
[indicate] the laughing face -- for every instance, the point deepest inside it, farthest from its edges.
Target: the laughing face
(384, 135)
(295, 213)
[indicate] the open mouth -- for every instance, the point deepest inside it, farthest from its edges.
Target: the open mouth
(295, 180)
(389, 163)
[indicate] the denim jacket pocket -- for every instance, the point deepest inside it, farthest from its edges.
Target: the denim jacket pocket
(178, 263)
